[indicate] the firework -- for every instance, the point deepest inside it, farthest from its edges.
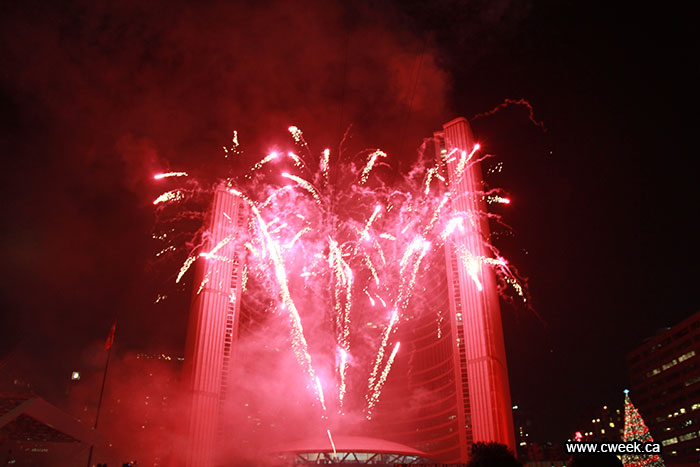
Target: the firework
(377, 390)
(350, 240)
(321, 399)
(305, 185)
(342, 372)
(324, 164)
(169, 174)
(370, 164)
(188, 262)
(270, 157)
(168, 196)
(330, 438)
(380, 353)
(297, 135)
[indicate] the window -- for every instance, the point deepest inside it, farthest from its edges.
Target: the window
(669, 441)
(668, 365)
(692, 381)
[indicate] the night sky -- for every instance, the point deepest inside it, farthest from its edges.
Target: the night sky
(95, 99)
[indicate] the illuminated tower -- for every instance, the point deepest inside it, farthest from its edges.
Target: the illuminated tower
(449, 385)
(479, 354)
(212, 327)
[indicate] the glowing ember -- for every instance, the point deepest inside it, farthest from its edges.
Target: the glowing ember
(380, 384)
(174, 195)
(297, 135)
(169, 174)
(330, 437)
(370, 164)
(320, 394)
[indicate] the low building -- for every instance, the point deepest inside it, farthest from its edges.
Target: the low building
(357, 450)
(665, 387)
(34, 432)
(605, 424)
(522, 424)
(140, 411)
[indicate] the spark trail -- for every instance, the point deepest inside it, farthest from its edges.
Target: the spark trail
(169, 174)
(374, 398)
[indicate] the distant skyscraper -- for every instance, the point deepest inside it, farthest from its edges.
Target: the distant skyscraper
(665, 377)
(212, 328)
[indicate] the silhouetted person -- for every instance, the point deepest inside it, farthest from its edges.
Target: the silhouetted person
(492, 455)
(594, 460)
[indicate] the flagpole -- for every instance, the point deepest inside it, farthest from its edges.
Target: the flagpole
(110, 341)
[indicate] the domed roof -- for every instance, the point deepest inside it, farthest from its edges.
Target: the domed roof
(349, 444)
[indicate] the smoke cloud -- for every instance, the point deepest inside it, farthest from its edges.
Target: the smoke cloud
(102, 96)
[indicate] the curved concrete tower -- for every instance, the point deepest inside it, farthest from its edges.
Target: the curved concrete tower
(480, 358)
(212, 327)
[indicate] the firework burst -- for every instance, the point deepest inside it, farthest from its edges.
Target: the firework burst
(348, 251)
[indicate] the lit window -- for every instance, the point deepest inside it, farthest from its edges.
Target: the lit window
(668, 365)
(687, 436)
(666, 442)
(686, 356)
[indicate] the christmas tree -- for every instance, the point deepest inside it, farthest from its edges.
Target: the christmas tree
(636, 430)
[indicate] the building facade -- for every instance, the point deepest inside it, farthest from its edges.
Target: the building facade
(422, 400)
(665, 384)
(602, 424)
(213, 324)
(479, 350)
(142, 399)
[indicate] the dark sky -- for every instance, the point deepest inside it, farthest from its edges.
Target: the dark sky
(95, 98)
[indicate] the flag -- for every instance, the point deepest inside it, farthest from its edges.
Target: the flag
(110, 337)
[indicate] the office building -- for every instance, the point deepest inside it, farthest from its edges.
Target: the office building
(665, 386)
